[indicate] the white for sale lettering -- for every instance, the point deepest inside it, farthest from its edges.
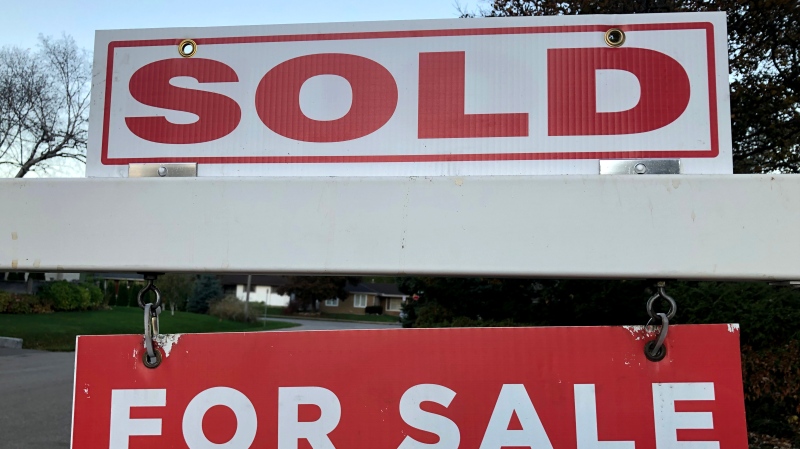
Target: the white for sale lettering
(122, 426)
(512, 399)
(586, 421)
(413, 415)
(246, 419)
(291, 429)
(668, 421)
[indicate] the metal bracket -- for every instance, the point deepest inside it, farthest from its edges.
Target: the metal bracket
(162, 170)
(641, 167)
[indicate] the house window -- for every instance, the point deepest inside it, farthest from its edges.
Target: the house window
(252, 288)
(360, 301)
(394, 304)
(332, 302)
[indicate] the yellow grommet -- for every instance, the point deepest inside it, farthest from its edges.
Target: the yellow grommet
(187, 48)
(615, 37)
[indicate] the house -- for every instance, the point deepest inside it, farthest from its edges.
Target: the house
(29, 283)
(72, 277)
(262, 288)
(384, 295)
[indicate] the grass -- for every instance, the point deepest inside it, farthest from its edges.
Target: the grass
(57, 331)
(271, 310)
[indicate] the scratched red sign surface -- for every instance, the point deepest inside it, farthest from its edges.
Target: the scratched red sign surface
(543, 388)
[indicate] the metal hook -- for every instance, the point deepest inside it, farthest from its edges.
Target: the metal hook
(152, 356)
(673, 306)
(150, 286)
(654, 350)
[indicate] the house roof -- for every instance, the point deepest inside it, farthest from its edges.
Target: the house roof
(387, 289)
(119, 276)
(380, 289)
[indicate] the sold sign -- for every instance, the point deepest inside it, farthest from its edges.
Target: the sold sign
(501, 96)
(492, 388)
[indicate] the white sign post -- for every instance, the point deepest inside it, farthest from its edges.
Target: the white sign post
(517, 96)
(349, 113)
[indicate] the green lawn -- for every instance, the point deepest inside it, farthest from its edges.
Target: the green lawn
(271, 310)
(57, 331)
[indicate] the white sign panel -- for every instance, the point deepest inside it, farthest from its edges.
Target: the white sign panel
(544, 95)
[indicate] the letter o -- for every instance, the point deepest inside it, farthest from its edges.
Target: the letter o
(246, 419)
(374, 97)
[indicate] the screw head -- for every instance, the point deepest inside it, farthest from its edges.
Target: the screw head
(640, 169)
(162, 171)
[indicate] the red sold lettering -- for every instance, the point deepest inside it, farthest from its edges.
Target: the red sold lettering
(373, 103)
(441, 103)
(572, 95)
(218, 115)
(571, 91)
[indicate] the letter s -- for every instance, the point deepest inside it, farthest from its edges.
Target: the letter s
(413, 415)
(218, 115)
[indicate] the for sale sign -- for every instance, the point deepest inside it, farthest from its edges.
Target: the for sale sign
(544, 95)
(538, 388)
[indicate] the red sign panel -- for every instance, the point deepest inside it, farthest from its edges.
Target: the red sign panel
(542, 388)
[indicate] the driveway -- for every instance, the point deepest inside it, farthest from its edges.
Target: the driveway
(36, 391)
(35, 398)
(325, 325)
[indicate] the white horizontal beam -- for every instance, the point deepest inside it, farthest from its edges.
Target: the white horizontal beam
(652, 226)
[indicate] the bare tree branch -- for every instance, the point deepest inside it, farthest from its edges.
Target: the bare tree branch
(44, 104)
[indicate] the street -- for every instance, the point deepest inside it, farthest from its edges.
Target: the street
(35, 398)
(36, 391)
(325, 325)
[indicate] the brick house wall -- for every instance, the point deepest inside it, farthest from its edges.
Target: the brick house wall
(349, 305)
(392, 305)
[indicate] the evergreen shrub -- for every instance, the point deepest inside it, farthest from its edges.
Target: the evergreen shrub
(207, 289)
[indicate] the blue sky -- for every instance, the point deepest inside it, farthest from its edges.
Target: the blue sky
(23, 20)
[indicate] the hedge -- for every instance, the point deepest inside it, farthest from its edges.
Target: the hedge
(23, 303)
(65, 296)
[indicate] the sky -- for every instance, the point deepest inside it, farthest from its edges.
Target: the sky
(23, 20)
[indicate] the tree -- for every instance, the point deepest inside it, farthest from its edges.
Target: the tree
(484, 299)
(770, 339)
(206, 290)
(176, 289)
(764, 52)
(310, 289)
(44, 105)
